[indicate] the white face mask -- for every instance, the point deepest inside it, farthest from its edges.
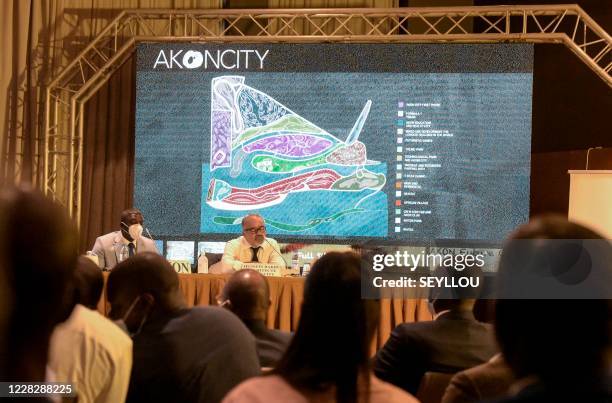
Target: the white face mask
(430, 307)
(135, 231)
(123, 326)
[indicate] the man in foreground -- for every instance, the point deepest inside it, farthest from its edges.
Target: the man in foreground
(558, 349)
(453, 341)
(247, 295)
(180, 354)
(88, 350)
(39, 254)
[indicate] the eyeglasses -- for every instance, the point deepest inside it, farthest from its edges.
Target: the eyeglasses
(255, 230)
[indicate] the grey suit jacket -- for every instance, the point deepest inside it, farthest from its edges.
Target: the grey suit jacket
(487, 381)
(271, 343)
(108, 248)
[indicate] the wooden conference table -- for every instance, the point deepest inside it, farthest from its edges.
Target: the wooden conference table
(287, 294)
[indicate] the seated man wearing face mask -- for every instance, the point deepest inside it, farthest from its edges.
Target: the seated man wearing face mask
(180, 354)
(116, 246)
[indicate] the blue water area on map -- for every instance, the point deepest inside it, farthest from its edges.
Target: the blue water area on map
(300, 207)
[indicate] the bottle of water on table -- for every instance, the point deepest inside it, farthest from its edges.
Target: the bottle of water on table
(295, 262)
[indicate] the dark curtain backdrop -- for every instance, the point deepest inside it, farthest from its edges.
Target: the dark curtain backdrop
(108, 165)
(38, 38)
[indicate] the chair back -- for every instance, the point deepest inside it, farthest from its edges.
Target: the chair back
(432, 387)
(213, 258)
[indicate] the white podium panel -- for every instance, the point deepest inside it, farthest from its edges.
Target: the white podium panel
(590, 200)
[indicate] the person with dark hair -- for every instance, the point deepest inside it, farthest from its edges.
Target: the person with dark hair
(89, 283)
(328, 357)
(453, 341)
(88, 350)
(180, 354)
(247, 295)
(39, 245)
(128, 241)
(556, 348)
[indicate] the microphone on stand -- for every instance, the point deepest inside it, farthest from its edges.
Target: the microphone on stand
(161, 252)
(587, 158)
(277, 252)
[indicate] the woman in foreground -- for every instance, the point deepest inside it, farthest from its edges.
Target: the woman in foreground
(328, 358)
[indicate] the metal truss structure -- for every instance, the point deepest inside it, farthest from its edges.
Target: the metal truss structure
(79, 81)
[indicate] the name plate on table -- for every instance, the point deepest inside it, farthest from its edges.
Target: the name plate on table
(181, 266)
(266, 269)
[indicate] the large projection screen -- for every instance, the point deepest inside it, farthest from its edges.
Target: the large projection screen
(334, 143)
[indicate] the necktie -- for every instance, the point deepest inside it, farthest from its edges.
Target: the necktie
(131, 249)
(254, 254)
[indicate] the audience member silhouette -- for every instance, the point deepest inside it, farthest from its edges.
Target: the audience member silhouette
(39, 248)
(556, 348)
(180, 354)
(247, 295)
(89, 283)
(453, 341)
(88, 350)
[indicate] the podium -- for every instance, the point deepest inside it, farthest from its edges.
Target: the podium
(590, 200)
